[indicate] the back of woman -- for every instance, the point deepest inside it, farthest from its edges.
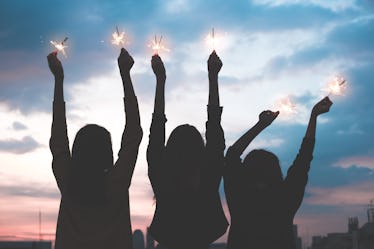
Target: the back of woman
(94, 209)
(185, 173)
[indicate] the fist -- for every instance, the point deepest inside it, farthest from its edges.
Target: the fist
(322, 106)
(158, 67)
(267, 117)
(125, 61)
(214, 63)
(55, 65)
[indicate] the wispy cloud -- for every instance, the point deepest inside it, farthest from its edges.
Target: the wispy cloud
(18, 126)
(357, 194)
(358, 161)
(334, 5)
(24, 145)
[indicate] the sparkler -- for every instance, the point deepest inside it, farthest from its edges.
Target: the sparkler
(285, 106)
(60, 46)
(119, 39)
(336, 86)
(211, 39)
(156, 45)
(214, 40)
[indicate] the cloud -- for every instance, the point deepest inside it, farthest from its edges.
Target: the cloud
(353, 129)
(357, 194)
(28, 190)
(177, 6)
(334, 5)
(358, 161)
(25, 145)
(18, 126)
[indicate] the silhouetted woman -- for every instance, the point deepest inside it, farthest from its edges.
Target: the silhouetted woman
(94, 208)
(185, 173)
(262, 204)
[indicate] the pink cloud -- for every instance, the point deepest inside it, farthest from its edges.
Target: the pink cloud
(357, 194)
(17, 72)
(360, 161)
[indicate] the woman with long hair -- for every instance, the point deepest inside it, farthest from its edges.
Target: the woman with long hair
(94, 208)
(185, 173)
(262, 203)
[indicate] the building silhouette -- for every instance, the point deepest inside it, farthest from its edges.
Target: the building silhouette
(298, 241)
(138, 239)
(25, 245)
(150, 242)
(355, 238)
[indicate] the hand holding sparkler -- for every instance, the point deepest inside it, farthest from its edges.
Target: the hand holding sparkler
(267, 117)
(119, 39)
(60, 46)
(158, 68)
(336, 87)
(285, 106)
(55, 65)
(322, 106)
(125, 62)
(214, 64)
(156, 45)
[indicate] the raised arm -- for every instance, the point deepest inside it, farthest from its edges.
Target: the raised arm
(297, 175)
(159, 71)
(157, 133)
(265, 119)
(321, 107)
(59, 142)
(214, 66)
(132, 134)
(215, 140)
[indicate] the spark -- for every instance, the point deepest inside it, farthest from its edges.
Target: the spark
(211, 39)
(336, 86)
(60, 46)
(285, 106)
(156, 45)
(119, 38)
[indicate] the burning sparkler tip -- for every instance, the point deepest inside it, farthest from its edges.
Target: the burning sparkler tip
(156, 45)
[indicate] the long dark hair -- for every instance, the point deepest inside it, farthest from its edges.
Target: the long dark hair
(185, 155)
(92, 158)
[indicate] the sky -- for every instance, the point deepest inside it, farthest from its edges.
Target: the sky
(270, 49)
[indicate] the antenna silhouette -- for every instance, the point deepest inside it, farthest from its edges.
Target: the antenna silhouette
(40, 226)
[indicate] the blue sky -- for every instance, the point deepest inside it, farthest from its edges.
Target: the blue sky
(269, 49)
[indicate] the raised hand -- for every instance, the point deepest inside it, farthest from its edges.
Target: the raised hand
(158, 67)
(267, 117)
(125, 61)
(55, 65)
(214, 63)
(322, 106)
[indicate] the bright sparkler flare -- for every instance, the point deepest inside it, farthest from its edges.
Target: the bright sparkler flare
(211, 39)
(286, 107)
(60, 46)
(336, 86)
(119, 39)
(156, 45)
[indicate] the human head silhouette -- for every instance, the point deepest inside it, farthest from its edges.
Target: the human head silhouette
(185, 157)
(263, 168)
(92, 158)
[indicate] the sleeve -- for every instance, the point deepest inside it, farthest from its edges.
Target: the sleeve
(231, 174)
(59, 144)
(215, 145)
(297, 174)
(155, 150)
(131, 138)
